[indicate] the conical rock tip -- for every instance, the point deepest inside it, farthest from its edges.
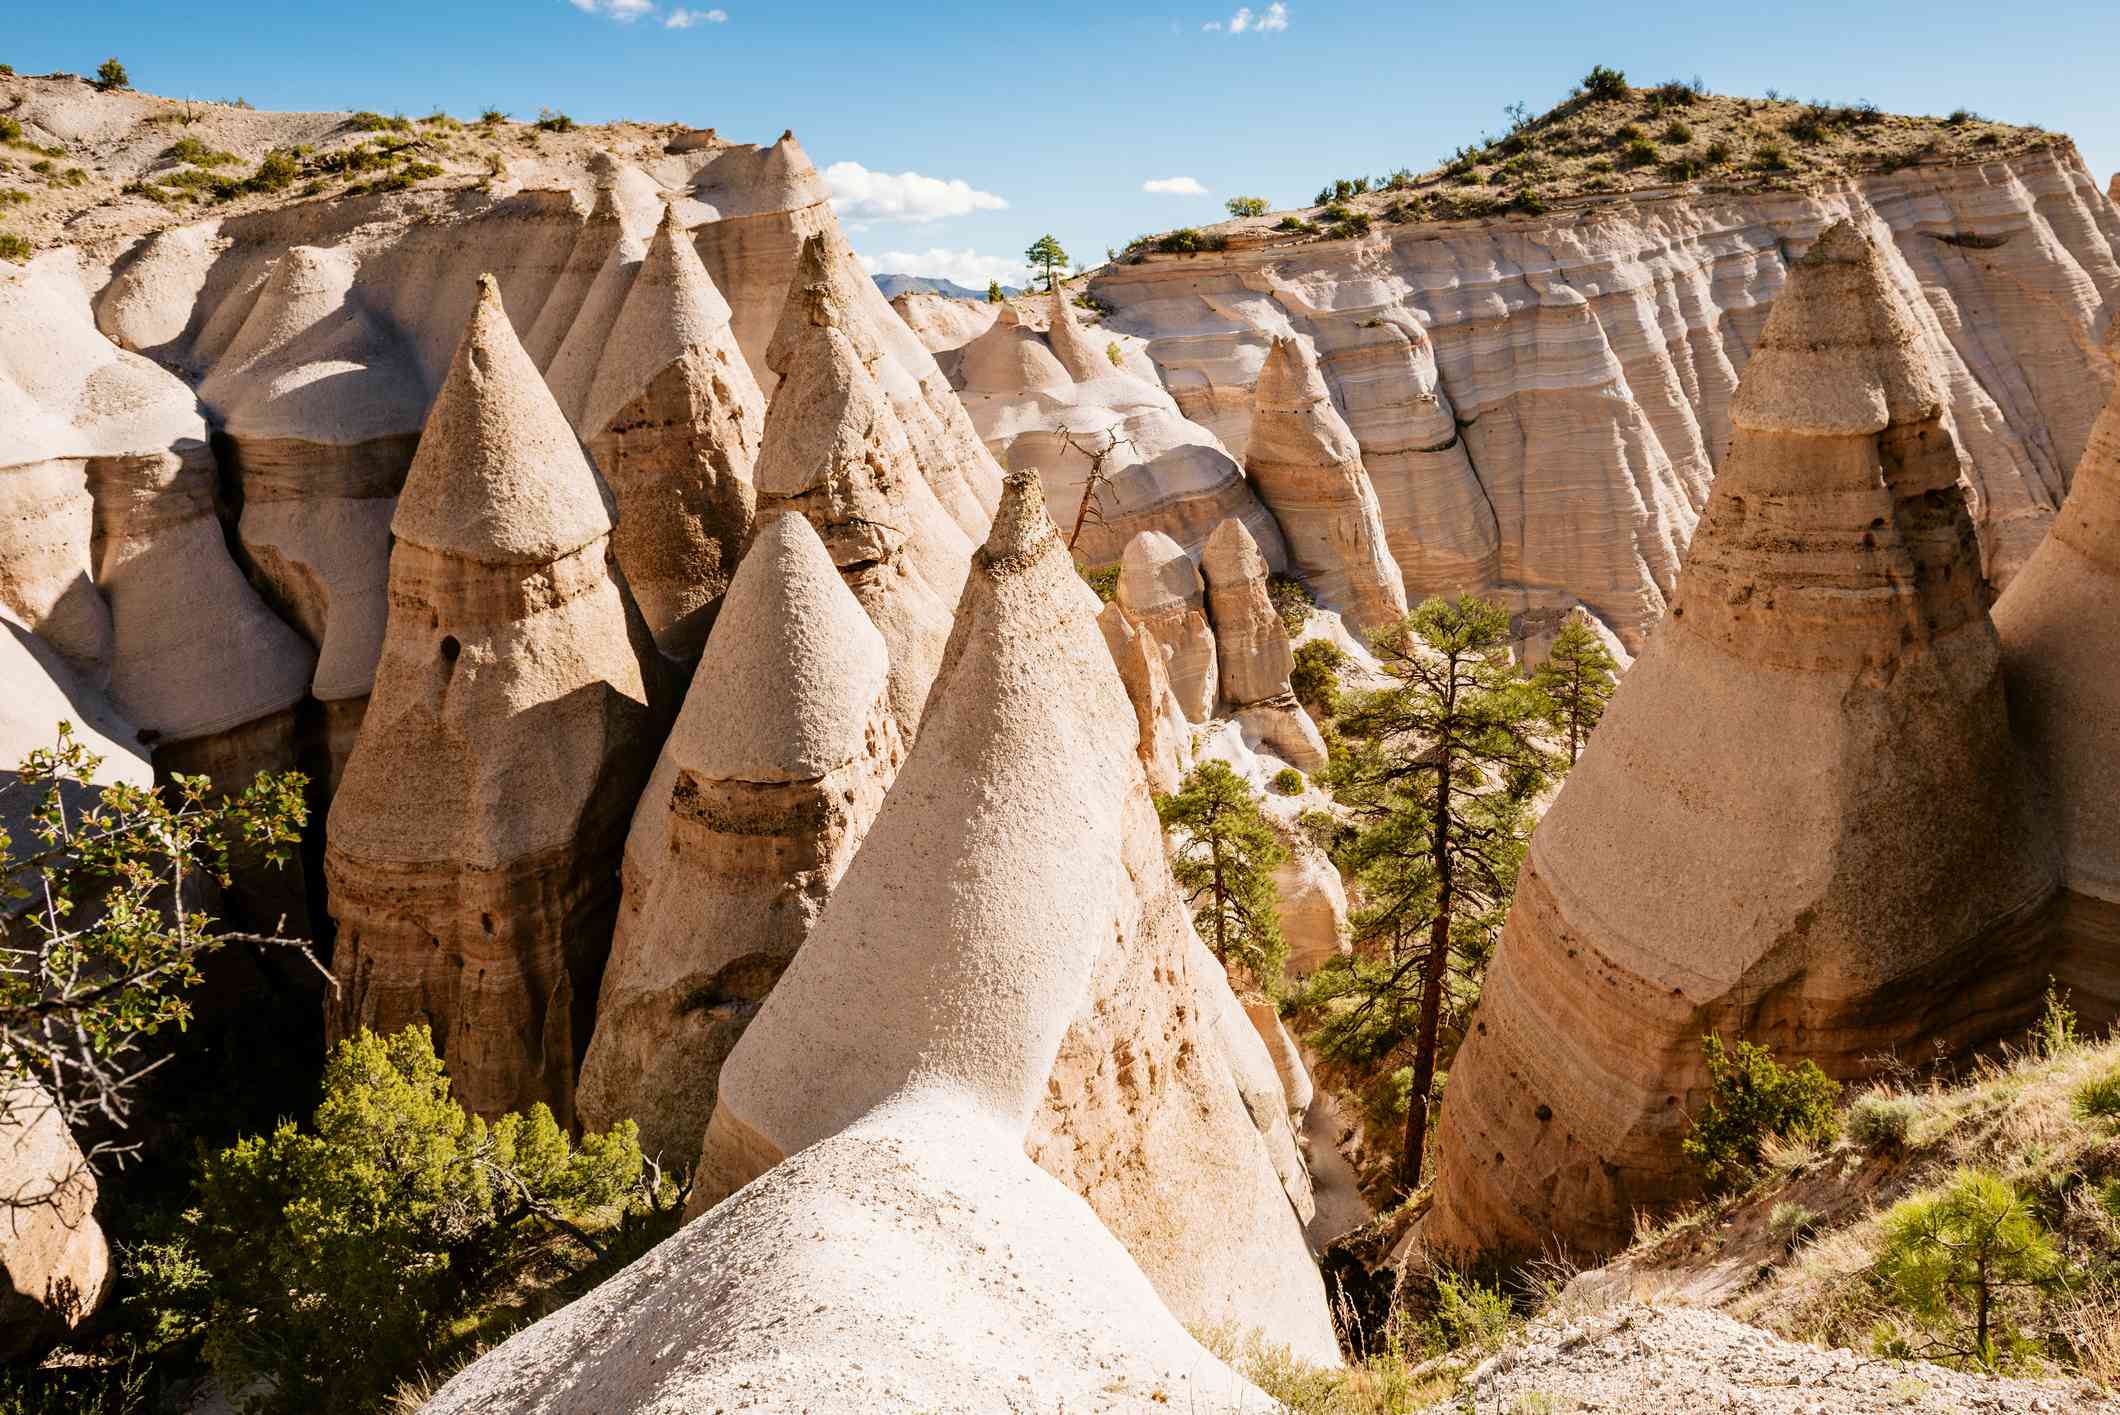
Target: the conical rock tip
(1022, 530)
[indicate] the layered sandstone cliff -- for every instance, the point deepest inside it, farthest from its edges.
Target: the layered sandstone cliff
(472, 849)
(1009, 940)
(1559, 385)
(1816, 743)
(764, 790)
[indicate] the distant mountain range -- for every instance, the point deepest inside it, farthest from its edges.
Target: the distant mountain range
(934, 285)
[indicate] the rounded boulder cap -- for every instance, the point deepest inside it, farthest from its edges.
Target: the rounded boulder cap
(499, 476)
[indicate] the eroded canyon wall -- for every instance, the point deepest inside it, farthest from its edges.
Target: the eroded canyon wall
(1580, 364)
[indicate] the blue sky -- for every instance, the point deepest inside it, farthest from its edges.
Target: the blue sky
(1029, 118)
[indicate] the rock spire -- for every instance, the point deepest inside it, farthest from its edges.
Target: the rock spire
(1162, 592)
(1252, 656)
(1815, 748)
(1307, 466)
(764, 790)
(835, 451)
(472, 850)
(1023, 788)
(673, 419)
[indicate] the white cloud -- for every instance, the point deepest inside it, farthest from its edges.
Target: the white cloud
(685, 19)
(966, 267)
(861, 195)
(1174, 186)
(1272, 20)
(624, 11)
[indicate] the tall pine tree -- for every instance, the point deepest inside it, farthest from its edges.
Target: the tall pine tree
(1438, 778)
(1224, 856)
(1577, 679)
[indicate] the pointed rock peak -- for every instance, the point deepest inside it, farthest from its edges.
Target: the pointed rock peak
(604, 168)
(819, 297)
(499, 476)
(1155, 574)
(673, 306)
(605, 208)
(1290, 380)
(1231, 556)
(797, 669)
(1010, 317)
(1063, 308)
(1840, 355)
(1022, 530)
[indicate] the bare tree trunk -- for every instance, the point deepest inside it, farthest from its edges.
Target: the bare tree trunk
(1434, 969)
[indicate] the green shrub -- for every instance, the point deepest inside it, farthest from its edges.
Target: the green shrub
(10, 130)
(110, 74)
(1961, 116)
(1791, 1222)
(1528, 201)
(1117, 355)
(1959, 1261)
(1639, 154)
(42, 167)
(492, 116)
(367, 122)
(1718, 152)
(1468, 1315)
(332, 1254)
(1292, 600)
(1677, 132)
(1753, 1098)
(1293, 223)
(1808, 125)
(1105, 582)
(1601, 83)
(1771, 158)
(13, 247)
(1288, 781)
(2098, 1100)
(1187, 241)
(2054, 1035)
(277, 170)
(1355, 224)
(1882, 1122)
(1315, 679)
(1335, 211)
(549, 121)
(1246, 206)
(1628, 132)
(7, 71)
(197, 153)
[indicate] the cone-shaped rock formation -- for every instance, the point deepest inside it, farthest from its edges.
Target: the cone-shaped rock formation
(1010, 929)
(1161, 591)
(2060, 641)
(673, 420)
(473, 845)
(1306, 465)
(835, 451)
(1802, 820)
(762, 793)
(1072, 346)
(1166, 742)
(1252, 656)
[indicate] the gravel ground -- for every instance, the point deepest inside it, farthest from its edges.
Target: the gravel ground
(1679, 1360)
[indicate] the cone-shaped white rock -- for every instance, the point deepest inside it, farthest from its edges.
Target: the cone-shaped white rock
(836, 452)
(673, 420)
(1009, 928)
(2060, 626)
(1252, 656)
(472, 851)
(1166, 741)
(1306, 465)
(762, 793)
(1162, 592)
(1801, 821)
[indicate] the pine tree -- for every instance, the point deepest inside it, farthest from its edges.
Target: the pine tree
(1224, 861)
(1046, 252)
(1437, 777)
(1577, 679)
(993, 292)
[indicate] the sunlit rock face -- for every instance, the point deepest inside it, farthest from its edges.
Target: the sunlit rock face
(473, 847)
(1802, 820)
(1559, 386)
